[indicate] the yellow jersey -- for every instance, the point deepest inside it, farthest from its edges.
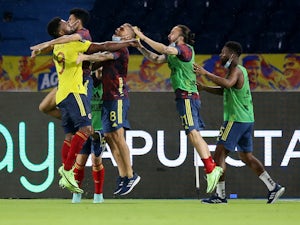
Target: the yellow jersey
(70, 74)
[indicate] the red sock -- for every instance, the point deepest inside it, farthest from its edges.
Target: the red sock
(209, 164)
(98, 176)
(65, 149)
(79, 173)
(76, 145)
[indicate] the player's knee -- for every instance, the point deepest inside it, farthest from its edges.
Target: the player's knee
(97, 166)
(42, 108)
(79, 166)
(87, 130)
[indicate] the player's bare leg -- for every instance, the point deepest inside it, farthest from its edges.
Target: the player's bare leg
(48, 105)
(213, 172)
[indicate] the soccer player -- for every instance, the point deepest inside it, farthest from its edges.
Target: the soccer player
(78, 19)
(236, 131)
(95, 145)
(180, 57)
(115, 107)
(71, 96)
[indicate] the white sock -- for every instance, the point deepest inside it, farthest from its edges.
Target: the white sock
(265, 177)
(221, 189)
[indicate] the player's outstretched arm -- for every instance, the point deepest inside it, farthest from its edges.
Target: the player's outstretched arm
(153, 57)
(110, 46)
(96, 57)
(227, 82)
(159, 47)
(42, 51)
(47, 46)
(217, 90)
(60, 40)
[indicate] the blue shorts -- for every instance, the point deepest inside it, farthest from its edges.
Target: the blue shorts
(76, 112)
(114, 115)
(189, 112)
(89, 86)
(236, 135)
(96, 147)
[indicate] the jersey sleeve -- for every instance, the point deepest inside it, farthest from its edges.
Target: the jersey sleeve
(185, 53)
(83, 46)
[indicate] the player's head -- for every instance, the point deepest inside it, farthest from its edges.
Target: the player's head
(230, 52)
(78, 18)
(181, 33)
(58, 27)
(125, 32)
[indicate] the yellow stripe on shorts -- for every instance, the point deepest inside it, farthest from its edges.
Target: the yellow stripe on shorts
(80, 104)
(226, 130)
(120, 111)
(189, 112)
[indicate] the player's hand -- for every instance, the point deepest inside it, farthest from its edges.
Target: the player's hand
(80, 58)
(138, 33)
(34, 53)
(200, 86)
(199, 70)
(136, 43)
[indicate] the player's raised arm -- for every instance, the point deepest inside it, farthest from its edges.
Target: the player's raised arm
(159, 47)
(153, 57)
(60, 40)
(110, 46)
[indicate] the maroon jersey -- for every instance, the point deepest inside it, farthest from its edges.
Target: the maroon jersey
(185, 52)
(114, 76)
(85, 35)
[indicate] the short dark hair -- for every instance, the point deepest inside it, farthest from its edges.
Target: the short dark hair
(235, 47)
(81, 14)
(53, 27)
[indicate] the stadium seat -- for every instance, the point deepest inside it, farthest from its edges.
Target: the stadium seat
(14, 47)
(250, 22)
(294, 42)
(281, 21)
(246, 40)
(270, 42)
(209, 43)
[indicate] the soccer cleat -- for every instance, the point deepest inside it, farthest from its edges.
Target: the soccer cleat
(214, 199)
(68, 175)
(63, 183)
(119, 185)
(213, 178)
(129, 184)
(275, 194)
(68, 181)
(98, 198)
(76, 198)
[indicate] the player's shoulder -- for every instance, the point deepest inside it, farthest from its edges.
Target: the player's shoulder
(84, 33)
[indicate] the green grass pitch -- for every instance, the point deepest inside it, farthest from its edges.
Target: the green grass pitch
(147, 212)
